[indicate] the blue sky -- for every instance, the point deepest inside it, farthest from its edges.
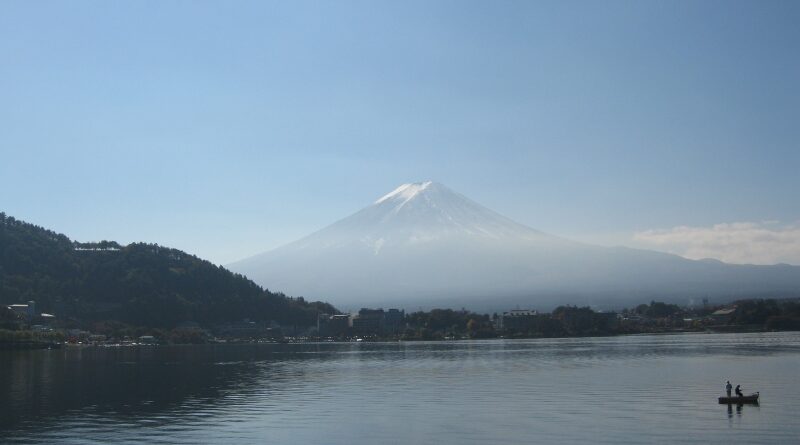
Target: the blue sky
(228, 128)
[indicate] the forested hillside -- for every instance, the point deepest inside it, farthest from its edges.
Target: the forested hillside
(140, 284)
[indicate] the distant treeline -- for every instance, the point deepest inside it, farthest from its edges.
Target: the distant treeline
(769, 314)
(564, 321)
(138, 284)
(572, 321)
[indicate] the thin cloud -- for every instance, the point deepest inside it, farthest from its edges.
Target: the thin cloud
(740, 242)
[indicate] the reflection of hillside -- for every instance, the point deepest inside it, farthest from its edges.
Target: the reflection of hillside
(409, 392)
(121, 382)
(190, 385)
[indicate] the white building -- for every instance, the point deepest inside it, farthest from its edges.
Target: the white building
(26, 310)
(515, 318)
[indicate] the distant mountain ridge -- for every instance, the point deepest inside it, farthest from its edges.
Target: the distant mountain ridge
(425, 245)
(139, 284)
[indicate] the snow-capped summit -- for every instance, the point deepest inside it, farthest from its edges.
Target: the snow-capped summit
(405, 192)
(420, 213)
(425, 245)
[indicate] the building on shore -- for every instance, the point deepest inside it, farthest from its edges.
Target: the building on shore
(246, 329)
(516, 319)
(28, 311)
(394, 321)
(366, 322)
(147, 340)
(369, 321)
(336, 326)
(723, 315)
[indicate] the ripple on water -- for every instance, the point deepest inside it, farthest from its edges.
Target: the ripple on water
(615, 389)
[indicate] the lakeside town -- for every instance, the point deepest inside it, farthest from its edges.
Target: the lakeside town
(23, 327)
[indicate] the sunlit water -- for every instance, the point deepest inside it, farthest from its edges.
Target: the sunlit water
(630, 389)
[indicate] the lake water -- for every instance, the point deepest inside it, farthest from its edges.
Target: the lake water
(629, 389)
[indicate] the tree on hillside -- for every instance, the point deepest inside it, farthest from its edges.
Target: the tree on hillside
(139, 284)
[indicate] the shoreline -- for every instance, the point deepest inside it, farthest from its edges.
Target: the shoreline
(33, 345)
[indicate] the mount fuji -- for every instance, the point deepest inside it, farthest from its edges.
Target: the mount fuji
(424, 245)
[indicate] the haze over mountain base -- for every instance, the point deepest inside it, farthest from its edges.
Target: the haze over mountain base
(424, 245)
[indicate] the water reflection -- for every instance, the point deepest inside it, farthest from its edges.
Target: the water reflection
(483, 391)
(127, 382)
(739, 408)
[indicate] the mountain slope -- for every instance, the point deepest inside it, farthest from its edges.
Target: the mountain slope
(141, 284)
(425, 245)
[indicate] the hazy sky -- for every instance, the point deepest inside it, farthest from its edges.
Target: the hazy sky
(228, 128)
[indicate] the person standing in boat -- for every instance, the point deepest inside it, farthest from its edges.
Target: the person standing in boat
(728, 388)
(739, 391)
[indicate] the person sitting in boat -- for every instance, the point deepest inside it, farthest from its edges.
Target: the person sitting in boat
(739, 391)
(728, 388)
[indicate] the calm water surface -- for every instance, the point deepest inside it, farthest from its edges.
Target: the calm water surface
(615, 390)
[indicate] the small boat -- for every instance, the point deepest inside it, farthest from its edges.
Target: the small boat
(752, 398)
